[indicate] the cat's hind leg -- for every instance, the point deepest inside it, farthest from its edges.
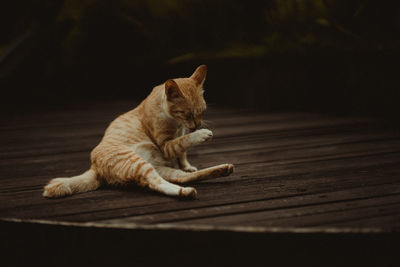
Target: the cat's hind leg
(148, 176)
(121, 165)
(156, 182)
(179, 176)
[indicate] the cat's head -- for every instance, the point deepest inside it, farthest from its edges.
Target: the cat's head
(185, 100)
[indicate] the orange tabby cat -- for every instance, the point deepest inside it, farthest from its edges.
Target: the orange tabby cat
(148, 144)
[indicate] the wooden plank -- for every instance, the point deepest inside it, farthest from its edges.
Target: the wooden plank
(309, 217)
(133, 201)
(291, 169)
(337, 213)
(276, 152)
(273, 160)
(255, 172)
(22, 139)
(282, 212)
(65, 163)
(390, 221)
(55, 133)
(218, 144)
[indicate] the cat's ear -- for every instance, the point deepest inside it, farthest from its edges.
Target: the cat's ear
(199, 75)
(172, 90)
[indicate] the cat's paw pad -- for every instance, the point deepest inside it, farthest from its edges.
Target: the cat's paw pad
(190, 168)
(227, 169)
(201, 136)
(188, 192)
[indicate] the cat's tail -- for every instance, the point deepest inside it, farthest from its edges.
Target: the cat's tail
(60, 187)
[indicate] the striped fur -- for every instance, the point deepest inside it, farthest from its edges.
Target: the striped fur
(148, 144)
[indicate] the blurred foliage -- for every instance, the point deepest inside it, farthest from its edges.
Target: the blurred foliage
(179, 30)
(295, 47)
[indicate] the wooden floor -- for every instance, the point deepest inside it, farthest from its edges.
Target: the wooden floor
(293, 172)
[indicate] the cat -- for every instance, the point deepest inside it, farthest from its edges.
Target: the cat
(148, 144)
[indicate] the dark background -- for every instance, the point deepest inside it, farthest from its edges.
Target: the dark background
(28, 245)
(336, 56)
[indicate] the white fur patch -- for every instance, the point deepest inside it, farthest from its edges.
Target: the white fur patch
(200, 136)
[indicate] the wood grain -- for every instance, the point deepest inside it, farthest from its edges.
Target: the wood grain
(291, 170)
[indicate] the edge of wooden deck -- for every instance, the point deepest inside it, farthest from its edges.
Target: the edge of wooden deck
(209, 228)
(47, 243)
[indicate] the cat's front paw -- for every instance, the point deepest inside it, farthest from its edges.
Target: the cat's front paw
(201, 136)
(189, 168)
